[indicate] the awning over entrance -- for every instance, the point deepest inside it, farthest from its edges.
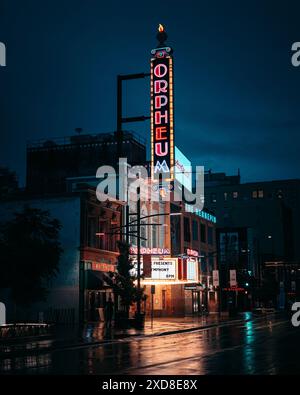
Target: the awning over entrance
(194, 287)
(97, 280)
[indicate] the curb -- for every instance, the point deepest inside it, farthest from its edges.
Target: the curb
(125, 339)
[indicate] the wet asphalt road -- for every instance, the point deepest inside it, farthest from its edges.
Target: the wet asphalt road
(269, 345)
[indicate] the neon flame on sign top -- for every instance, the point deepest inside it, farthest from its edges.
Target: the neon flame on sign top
(161, 28)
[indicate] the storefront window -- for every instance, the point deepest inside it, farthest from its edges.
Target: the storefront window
(192, 270)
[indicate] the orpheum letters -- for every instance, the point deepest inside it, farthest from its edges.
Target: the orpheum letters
(162, 122)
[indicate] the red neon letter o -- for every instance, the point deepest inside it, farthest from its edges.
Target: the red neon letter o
(158, 72)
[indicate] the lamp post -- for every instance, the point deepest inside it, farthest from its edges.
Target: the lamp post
(137, 234)
(138, 221)
(120, 118)
(139, 255)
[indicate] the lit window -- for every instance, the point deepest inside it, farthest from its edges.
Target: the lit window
(225, 195)
(154, 236)
(260, 193)
(213, 198)
(279, 194)
(235, 195)
(143, 234)
(254, 194)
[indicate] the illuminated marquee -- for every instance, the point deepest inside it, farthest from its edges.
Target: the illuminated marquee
(162, 117)
(150, 251)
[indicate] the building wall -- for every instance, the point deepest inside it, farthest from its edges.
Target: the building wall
(50, 162)
(63, 299)
(169, 300)
(269, 208)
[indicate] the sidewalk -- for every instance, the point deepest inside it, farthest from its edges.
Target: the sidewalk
(160, 326)
(67, 337)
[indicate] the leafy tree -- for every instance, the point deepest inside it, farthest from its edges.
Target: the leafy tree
(30, 252)
(124, 280)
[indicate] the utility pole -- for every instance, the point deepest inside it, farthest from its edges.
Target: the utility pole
(120, 119)
(139, 252)
(119, 132)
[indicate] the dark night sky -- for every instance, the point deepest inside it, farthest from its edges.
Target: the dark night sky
(236, 92)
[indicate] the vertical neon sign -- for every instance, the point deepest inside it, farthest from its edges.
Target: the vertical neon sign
(162, 116)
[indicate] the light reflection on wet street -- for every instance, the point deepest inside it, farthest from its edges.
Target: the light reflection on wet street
(259, 346)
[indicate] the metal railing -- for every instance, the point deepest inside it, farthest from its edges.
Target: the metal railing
(11, 331)
(83, 139)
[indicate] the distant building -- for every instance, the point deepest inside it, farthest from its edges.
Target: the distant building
(80, 290)
(178, 257)
(8, 183)
(237, 251)
(50, 162)
(269, 209)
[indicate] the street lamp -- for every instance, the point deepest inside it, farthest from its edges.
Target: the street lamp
(137, 234)
(138, 221)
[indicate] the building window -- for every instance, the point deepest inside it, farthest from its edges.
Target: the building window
(163, 298)
(235, 195)
(203, 233)
(258, 193)
(195, 230)
(203, 263)
(143, 234)
(187, 233)
(154, 236)
(132, 230)
(210, 235)
(225, 196)
(213, 198)
(192, 270)
(279, 194)
(92, 230)
(211, 261)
